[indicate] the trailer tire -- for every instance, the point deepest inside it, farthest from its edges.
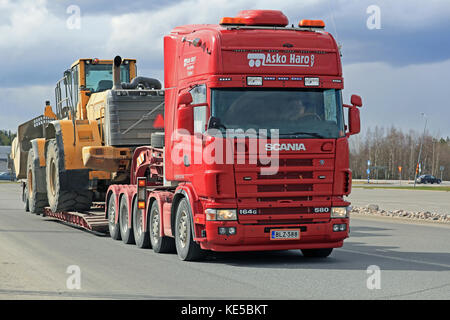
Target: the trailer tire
(159, 244)
(187, 248)
(37, 201)
(114, 229)
(141, 237)
(126, 233)
(58, 199)
(317, 253)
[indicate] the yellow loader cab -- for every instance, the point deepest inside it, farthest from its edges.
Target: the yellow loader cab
(69, 156)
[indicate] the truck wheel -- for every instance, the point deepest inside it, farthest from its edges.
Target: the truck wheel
(159, 244)
(187, 248)
(141, 238)
(114, 230)
(37, 201)
(317, 253)
(126, 233)
(58, 199)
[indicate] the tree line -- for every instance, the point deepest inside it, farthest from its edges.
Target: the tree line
(394, 154)
(6, 137)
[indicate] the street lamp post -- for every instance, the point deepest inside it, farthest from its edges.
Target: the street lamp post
(420, 149)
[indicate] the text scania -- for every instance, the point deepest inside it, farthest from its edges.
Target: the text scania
(285, 147)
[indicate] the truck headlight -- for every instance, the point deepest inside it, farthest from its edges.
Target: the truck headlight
(339, 212)
(221, 214)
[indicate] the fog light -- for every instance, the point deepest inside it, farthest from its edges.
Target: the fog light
(222, 231)
(339, 227)
(232, 230)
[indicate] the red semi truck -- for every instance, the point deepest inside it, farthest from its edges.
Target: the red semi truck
(254, 154)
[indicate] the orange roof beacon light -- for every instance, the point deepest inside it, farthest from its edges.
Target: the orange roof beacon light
(232, 21)
(305, 23)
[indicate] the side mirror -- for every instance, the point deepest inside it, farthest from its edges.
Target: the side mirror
(354, 121)
(356, 100)
(185, 98)
(185, 119)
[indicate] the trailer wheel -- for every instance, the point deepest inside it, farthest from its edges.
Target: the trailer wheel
(37, 201)
(114, 230)
(58, 199)
(317, 253)
(187, 248)
(159, 244)
(141, 237)
(126, 232)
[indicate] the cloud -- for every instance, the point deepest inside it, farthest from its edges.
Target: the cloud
(400, 70)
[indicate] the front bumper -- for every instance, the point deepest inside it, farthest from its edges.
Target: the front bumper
(257, 237)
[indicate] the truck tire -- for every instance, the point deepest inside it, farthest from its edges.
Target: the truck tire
(159, 244)
(126, 233)
(37, 201)
(58, 199)
(140, 237)
(157, 140)
(187, 248)
(317, 253)
(114, 229)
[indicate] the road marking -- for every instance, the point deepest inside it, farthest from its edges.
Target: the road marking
(397, 258)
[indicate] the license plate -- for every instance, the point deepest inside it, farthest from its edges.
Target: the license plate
(284, 234)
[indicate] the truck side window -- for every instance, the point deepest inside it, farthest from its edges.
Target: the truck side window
(199, 119)
(199, 96)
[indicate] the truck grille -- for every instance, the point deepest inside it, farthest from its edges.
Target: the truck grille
(302, 183)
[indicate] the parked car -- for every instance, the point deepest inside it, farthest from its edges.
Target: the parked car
(428, 178)
(6, 176)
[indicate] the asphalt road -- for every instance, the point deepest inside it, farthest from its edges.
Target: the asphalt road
(35, 253)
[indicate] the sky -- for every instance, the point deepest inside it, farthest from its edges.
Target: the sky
(396, 53)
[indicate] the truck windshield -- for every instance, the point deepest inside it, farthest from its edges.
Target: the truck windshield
(99, 76)
(298, 113)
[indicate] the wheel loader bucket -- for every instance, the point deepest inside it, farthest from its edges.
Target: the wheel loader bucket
(26, 132)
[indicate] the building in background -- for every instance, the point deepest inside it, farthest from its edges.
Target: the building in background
(4, 156)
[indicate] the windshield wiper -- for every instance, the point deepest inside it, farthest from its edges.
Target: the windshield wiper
(313, 134)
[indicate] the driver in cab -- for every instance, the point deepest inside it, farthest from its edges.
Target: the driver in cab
(300, 112)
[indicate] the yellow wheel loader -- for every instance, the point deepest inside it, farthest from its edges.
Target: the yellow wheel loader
(67, 157)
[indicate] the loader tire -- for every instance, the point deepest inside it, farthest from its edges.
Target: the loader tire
(26, 204)
(37, 200)
(62, 200)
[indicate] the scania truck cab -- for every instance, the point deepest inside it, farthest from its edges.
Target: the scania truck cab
(255, 153)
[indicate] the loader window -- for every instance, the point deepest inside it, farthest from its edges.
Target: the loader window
(296, 113)
(99, 76)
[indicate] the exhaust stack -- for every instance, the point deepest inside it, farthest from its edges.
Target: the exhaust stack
(116, 73)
